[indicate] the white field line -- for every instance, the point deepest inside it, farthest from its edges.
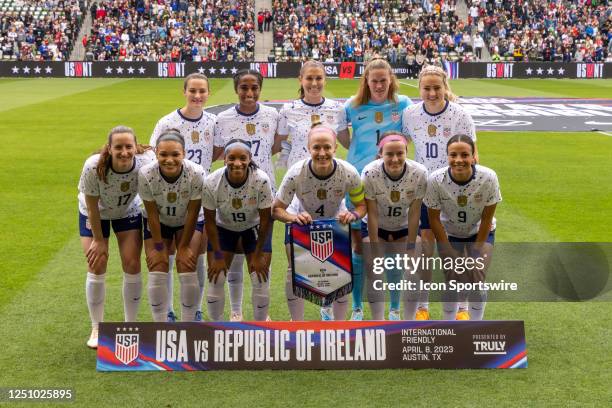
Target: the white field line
(605, 133)
(406, 83)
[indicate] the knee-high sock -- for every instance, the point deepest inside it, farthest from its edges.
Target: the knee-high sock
(260, 297)
(339, 307)
(190, 294)
(215, 299)
(235, 282)
(95, 292)
(295, 303)
(449, 305)
(394, 276)
(158, 295)
(410, 298)
(132, 292)
(357, 280)
(478, 302)
(201, 272)
(376, 298)
(170, 284)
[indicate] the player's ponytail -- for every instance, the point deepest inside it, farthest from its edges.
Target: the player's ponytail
(104, 162)
(438, 71)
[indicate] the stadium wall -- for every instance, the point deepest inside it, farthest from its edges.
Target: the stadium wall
(135, 69)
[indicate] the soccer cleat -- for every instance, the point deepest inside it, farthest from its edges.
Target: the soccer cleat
(198, 316)
(422, 314)
(394, 314)
(236, 317)
(357, 315)
(462, 315)
(171, 317)
(92, 343)
(268, 319)
(327, 314)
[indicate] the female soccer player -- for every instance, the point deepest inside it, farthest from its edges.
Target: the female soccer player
(171, 189)
(376, 109)
(237, 200)
(394, 188)
(197, 128)
(305, 180)
(254, 123)
(108, 196)
(430, 124)
(461, 200)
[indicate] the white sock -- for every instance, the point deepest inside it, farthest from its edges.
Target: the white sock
(171, 283)
(376, 299)
(424, 300)
(132, 292)
(95, 292)
(190, 293)
(215, 299)
(339, 307)
(295, 303)
(158, 295)
(201, 271)
(260, 297)
(410, 298)
(478, 302)
(463, 305)
(235, 282)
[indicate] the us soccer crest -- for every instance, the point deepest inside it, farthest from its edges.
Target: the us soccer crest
(195, 136)
(395, 196)
(265, 127)
(126, 347)
(462, 201)
(315, 118)
(250, 128)
(125, 186)
(432, 130)
(446, 132)
(171, 197)
(378, 117)
(395, 116)
(322, 194)
(322, 244)
(236, 203)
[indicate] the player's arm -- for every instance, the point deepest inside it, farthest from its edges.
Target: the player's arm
(414, 215)
(277, 146)
(217, 153)
(436, 225)
(98, 250)
(184, 254)
(344, 138)
(160, 253)
(486, 221)
(279, 212)
(372, 209)
(259, 264)
(217, 265)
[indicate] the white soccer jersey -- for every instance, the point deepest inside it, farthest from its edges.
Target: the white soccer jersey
(259, 128)
(119, 197)
(393, 197)
(321, 198)
(430, 133)
(296, 118)
(237, 206)
(172, 199)
(198, 134)
(461, 205)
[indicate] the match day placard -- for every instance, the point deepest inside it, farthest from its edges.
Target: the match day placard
(311, 345)
(321, 261)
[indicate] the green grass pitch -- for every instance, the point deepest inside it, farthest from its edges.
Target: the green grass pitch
(556, 187)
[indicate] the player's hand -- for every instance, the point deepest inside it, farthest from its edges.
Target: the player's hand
(259, 266)
(97, 254)
(156, 258)
(303, 218)
(346, 217)
(185, 259)
(216, 268)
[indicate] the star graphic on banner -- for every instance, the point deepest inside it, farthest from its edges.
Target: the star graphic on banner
(234, 70)
(118, 328)
(48, 69)
(15, 70)
(141, 70)
(560, 71)
(37, 70)
(201, 70)
(109, 70)
(212, 70)
(539, 71)
(131, 329)
(529, 71)
(26, 70)
(223, 70)
(119, 70)
(130, 70)
(550, 71)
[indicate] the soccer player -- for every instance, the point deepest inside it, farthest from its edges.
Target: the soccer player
(171, 189)
(197, 128)
(430, 124)
(254, 123)
(320, 184)
(461, 200)
(376, 109)
(394, 188)
(108, 196)
(237, 200)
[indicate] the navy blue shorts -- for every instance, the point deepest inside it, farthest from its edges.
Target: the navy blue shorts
(460, 244)
(119, 225)
(424, 224)
(229, 240)
(166, 231)
(383, 233)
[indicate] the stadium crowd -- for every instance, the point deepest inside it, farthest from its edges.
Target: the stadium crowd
(176, 30)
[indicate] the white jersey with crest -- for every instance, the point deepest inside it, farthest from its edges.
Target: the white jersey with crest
(393, 197)
(198, 134)
(319, 197)
(296, 119)
(259, 128)
(237, 206)
(119, 197)
(430, 132)
(172, 199)
(461, 204)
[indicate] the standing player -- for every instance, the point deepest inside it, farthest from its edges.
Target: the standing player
(237, 199)
(430, 124)
(376, 109)
(295, 121)
(394, 188)
(108, 196)
(171, 189)
(461, 200)
(320, 184)
(256, 124)
(197, 128)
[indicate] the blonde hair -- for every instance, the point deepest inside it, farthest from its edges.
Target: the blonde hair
(363, 94)
(438, 71)
(305, 66)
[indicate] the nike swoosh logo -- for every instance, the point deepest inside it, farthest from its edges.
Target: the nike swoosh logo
(361, 117)
(137, 299)
(230, 281)
(159, 304)
(261, 307)
(210, 303)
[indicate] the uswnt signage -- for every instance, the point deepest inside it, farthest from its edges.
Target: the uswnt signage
(311, 345)
(321, 261)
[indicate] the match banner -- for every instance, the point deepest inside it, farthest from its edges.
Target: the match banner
(321, 261)
(202, 346)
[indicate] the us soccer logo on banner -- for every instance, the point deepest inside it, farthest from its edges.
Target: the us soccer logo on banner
(126, 347)
(322, 243)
